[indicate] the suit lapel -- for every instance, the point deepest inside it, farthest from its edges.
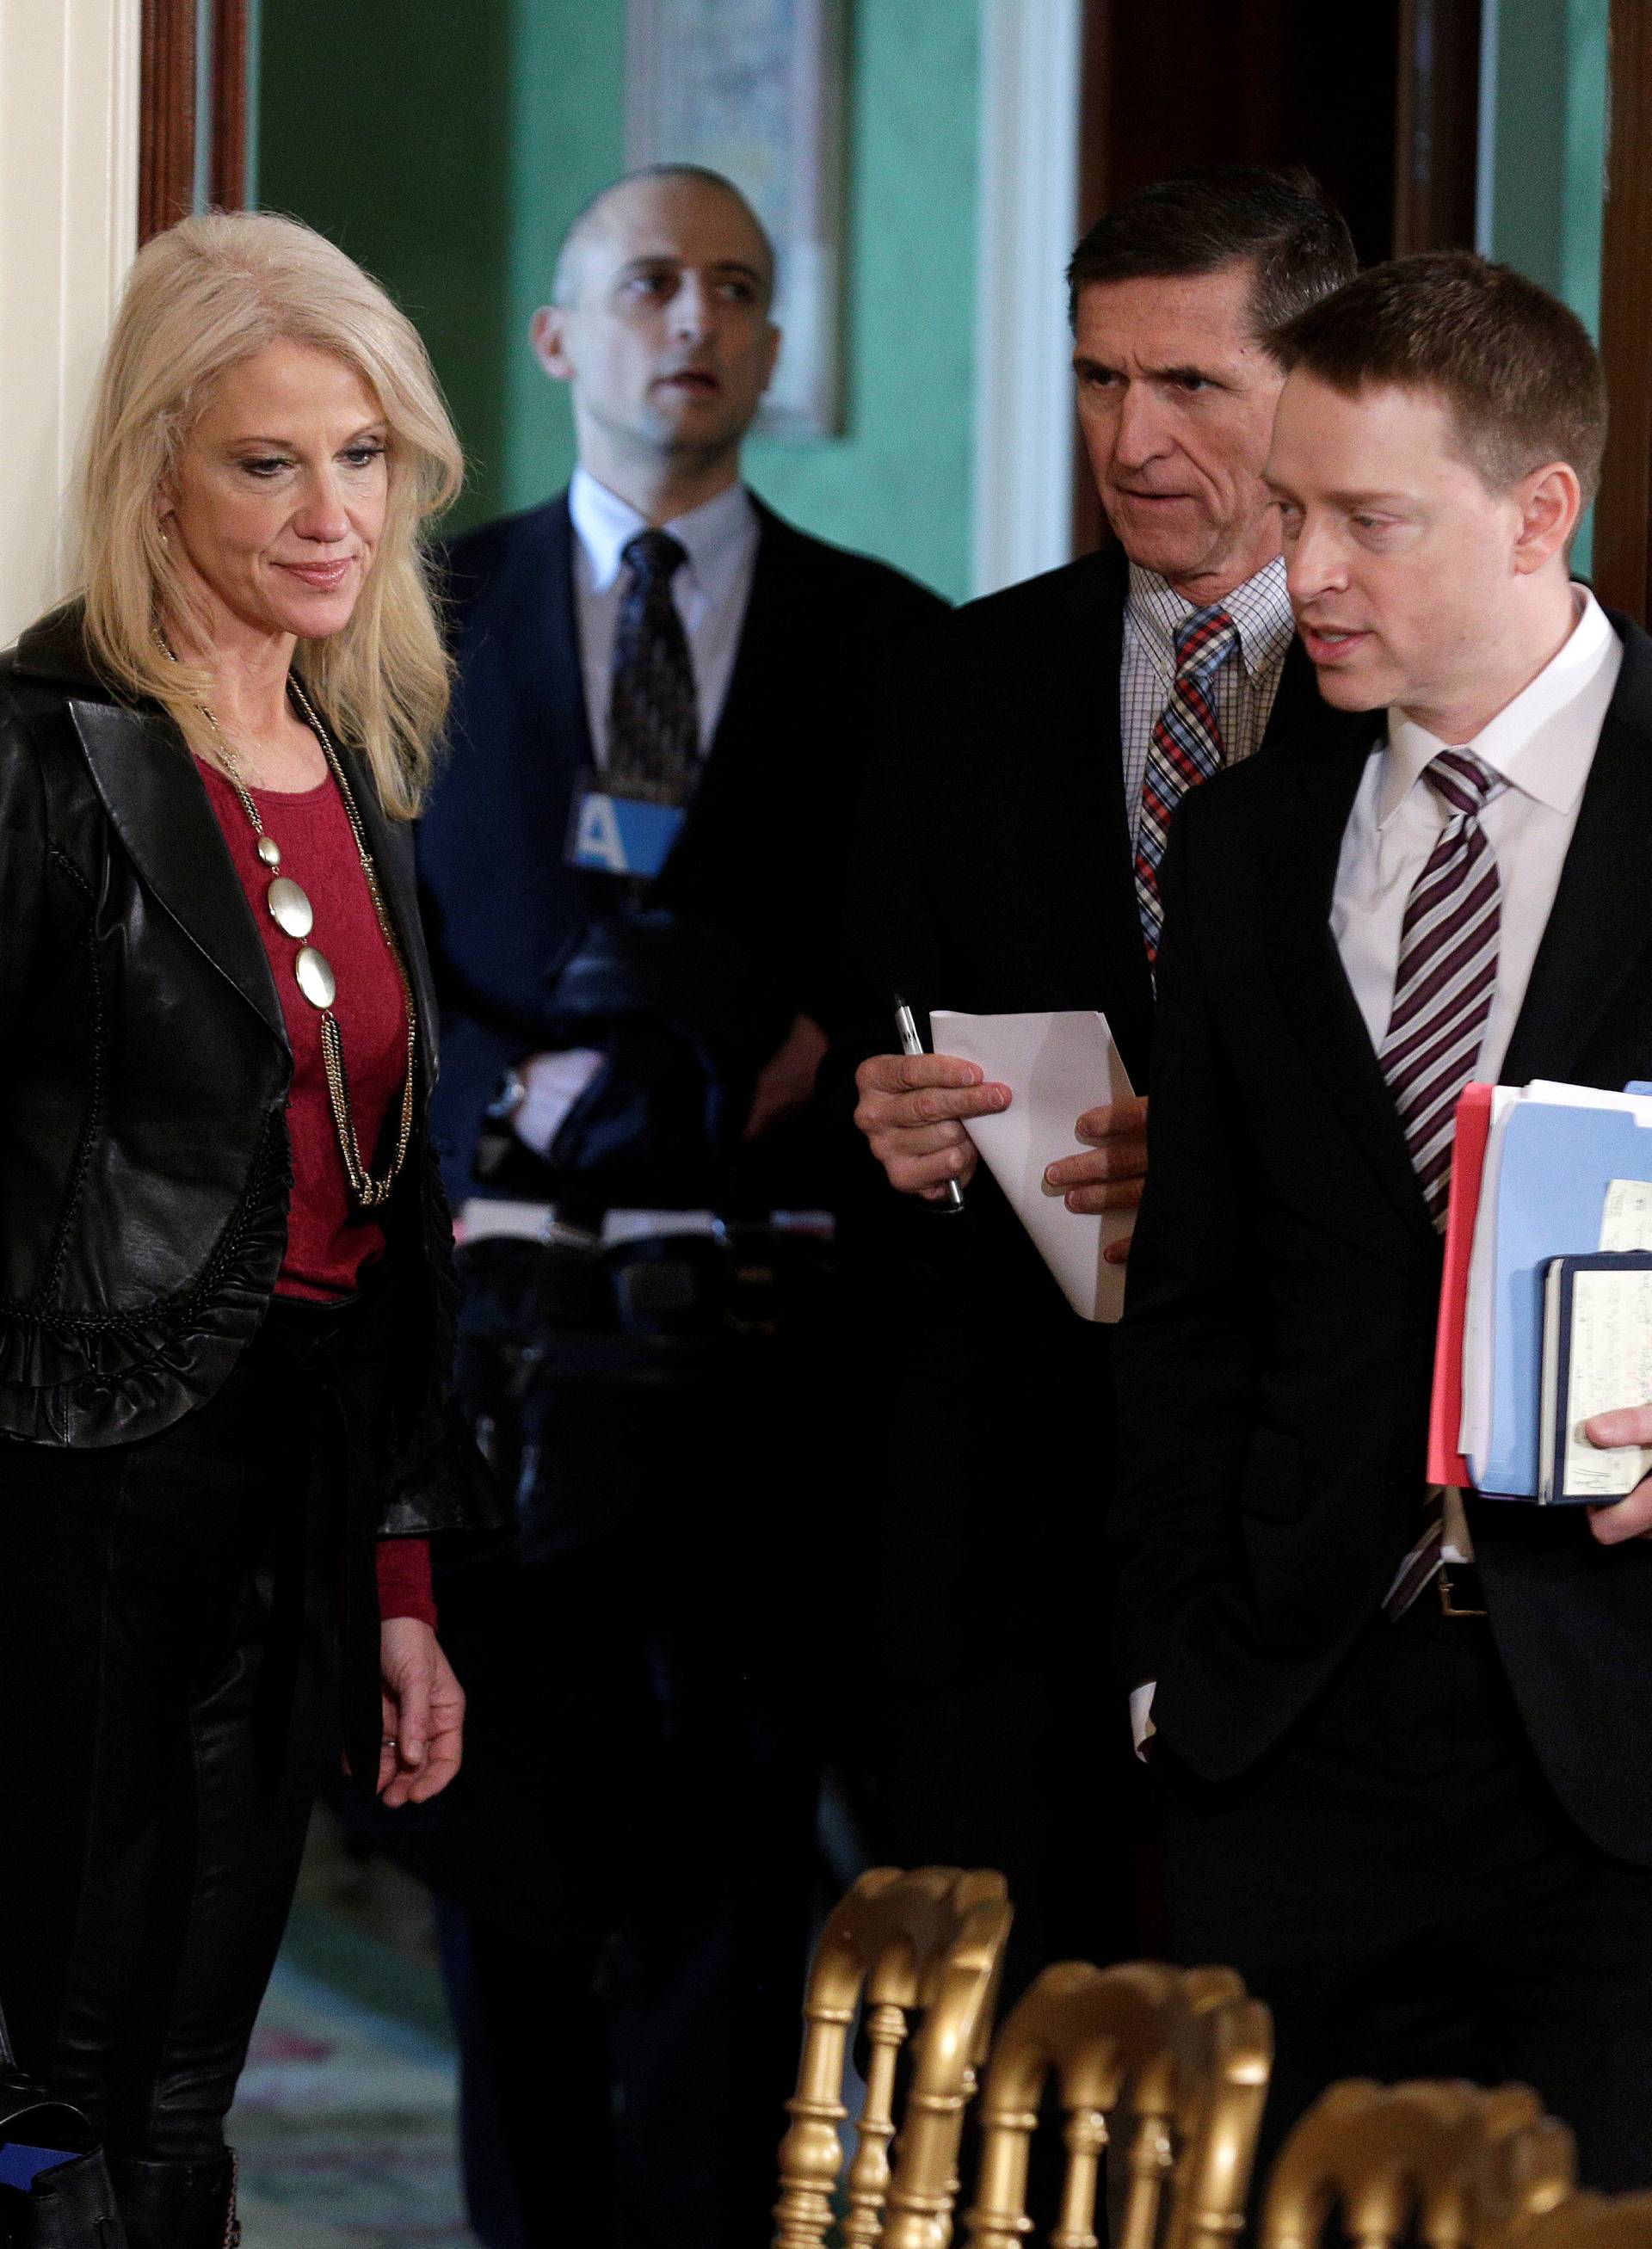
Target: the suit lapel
(390, 842)
(541, 758)
(744, 727)
(1599, 927)
(558, 682)
(1316, 790)
(1086, 820)
(159, 808)
(1298, 703)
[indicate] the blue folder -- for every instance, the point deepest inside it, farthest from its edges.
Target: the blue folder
(21, 2165)
(1558, 1163)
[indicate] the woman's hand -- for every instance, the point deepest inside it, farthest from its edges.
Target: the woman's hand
(423, 1711)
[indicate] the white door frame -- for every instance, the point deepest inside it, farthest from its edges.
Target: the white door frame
(1031, 69)
(69, 93)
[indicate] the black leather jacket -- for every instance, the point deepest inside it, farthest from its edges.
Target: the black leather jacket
(144, 1066)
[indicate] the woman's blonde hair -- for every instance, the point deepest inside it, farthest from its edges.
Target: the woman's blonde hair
(207, 294)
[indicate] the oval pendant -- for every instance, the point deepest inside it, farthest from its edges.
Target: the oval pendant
(269, 851)
(315, 977)
(290, 909)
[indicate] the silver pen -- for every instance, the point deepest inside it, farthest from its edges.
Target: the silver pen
(907, 1028)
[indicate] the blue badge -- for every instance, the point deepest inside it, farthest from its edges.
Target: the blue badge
(622, 835)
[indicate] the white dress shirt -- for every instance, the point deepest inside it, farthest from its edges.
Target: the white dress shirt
(1543, 744)
(711, 591)
(1244, 690)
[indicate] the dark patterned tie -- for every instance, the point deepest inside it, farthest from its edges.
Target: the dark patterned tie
(653, 714)
(1186, 747)
(1447, 973)
(1442, 994)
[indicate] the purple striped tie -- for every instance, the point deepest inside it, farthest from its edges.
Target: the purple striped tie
(1443, 995)
(1185, 748)
(1448, 973)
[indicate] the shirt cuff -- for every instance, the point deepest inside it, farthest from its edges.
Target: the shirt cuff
(404, 1580)
(553, 1083)
(1142, 1727)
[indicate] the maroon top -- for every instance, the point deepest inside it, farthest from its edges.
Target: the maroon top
(330, 1238)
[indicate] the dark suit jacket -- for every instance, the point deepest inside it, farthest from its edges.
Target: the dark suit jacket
(760, 852)
(1275, 1362)
(997, 876)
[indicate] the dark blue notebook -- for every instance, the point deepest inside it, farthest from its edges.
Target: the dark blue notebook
(1597, 1356)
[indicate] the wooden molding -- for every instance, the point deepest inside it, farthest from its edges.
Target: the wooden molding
(1088, 524)
(1026, 190)
(1623, 513)
(1436, 126)
(166, 125)
(171, 69)
(229, 181)
(68, 227)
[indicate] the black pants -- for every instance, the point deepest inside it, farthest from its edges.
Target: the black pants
(1399, 1883)
(168, 1677)
(987, 1731)
(626, 1972)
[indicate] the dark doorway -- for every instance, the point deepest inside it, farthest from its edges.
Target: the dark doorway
(1378, 97)
(1245, 81)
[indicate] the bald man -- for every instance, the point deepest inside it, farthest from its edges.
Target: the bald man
(628, 868)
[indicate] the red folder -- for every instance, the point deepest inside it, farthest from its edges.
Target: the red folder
(1446, 1463)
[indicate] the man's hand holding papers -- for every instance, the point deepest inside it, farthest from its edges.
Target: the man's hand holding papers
(1111, 1172)
(909, 1109)
(1630, 1517)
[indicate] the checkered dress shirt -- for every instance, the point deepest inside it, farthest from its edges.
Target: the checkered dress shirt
(1243, 693)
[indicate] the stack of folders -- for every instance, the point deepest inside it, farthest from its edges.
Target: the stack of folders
(1545, 1312)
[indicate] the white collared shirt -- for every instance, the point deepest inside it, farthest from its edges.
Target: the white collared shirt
(711, 591)
(1243, 691)
(1543, 744)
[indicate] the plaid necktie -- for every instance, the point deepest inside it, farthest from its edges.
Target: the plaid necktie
(1442, 994)
(1185, 748)
(653, 715)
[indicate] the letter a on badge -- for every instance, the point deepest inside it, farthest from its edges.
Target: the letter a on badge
(598, 842)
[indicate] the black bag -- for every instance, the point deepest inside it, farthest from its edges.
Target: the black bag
(67, 2204)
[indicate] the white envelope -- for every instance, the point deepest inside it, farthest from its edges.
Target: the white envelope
(1057, 1066)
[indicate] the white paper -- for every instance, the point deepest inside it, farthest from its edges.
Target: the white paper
(1626, 1221)
(1611, 1367)
(1476, 1432)
(1056, 1066)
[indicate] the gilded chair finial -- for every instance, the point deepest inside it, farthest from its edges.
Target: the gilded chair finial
(926, 1945)
(1172, 2063)
(1450, 2165)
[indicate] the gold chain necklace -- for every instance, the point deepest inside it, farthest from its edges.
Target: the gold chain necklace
(291, 911)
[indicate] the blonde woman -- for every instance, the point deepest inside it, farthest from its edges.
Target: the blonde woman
(224, 1296)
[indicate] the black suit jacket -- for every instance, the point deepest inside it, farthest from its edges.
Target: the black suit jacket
(1275, 1358)
(760, 855)
(997, 876)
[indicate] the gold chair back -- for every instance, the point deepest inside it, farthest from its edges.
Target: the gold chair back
(1586, 2220)
(929, 1942)
(1176, 2060)
(1449, 2165)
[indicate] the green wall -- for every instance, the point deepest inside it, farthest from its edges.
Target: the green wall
(383, 123)
(447, 147)
(1542, 179)
(1548, 115)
